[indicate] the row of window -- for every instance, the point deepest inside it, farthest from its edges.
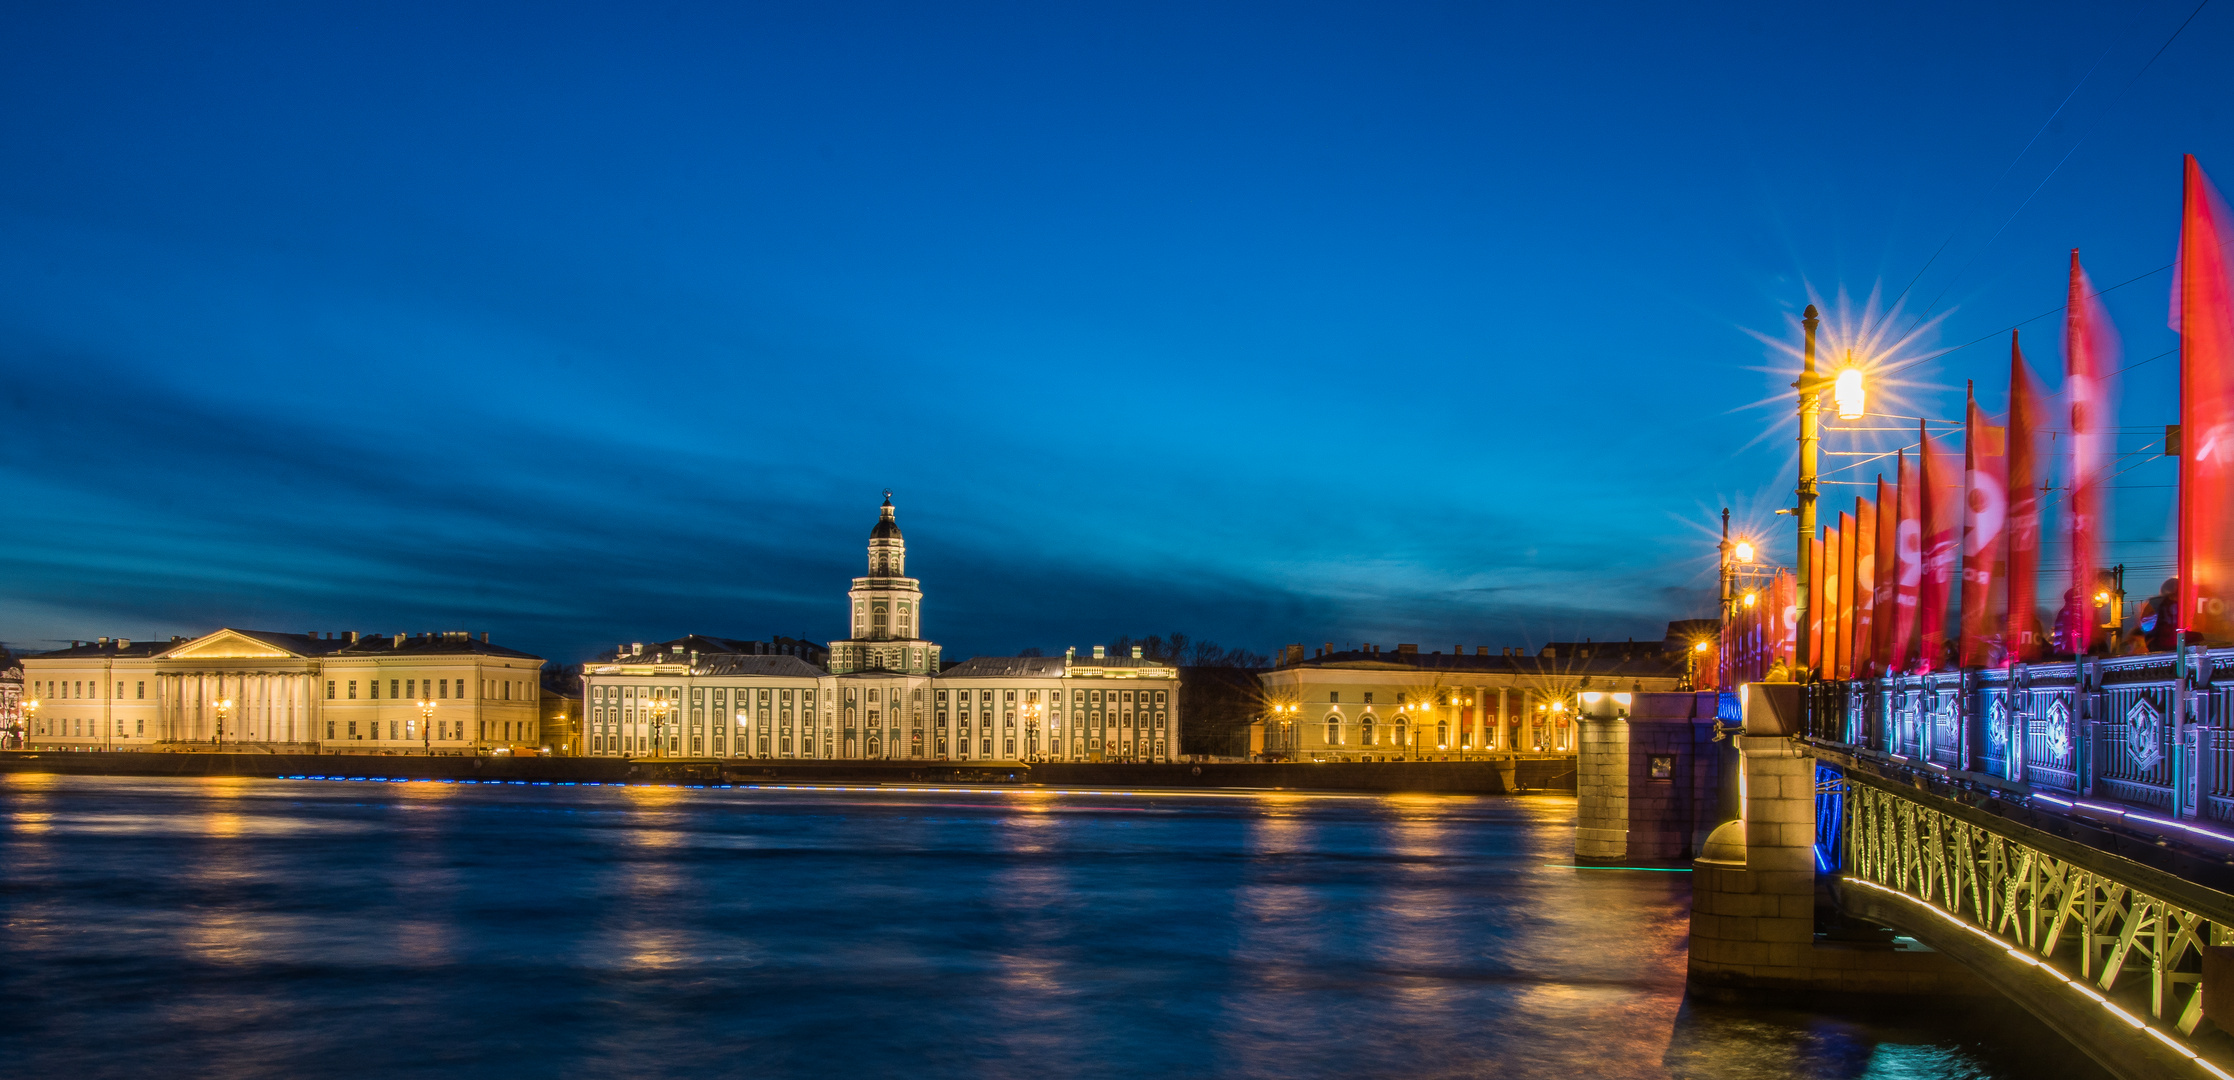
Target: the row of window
(436, 689)
(499, 689)
(1334, 697)
(1371, 734)
(608, 743)
(602, 693)
(443, 730)
(698, 695)
(61, 727)
(602, 714)
(398, 730)
(81, 688)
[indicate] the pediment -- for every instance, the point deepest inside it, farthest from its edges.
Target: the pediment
(230, 645)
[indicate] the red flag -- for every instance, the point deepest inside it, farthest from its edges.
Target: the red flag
(1845, 602)
(1783, 603)
(2021, 640)
(1863, 573)
(1831, 613)
(2090, 353)
(1940, 507)
(1908, 555)
(2205, 314)
(1888, 573)
(1985, 511)
(1814, 628)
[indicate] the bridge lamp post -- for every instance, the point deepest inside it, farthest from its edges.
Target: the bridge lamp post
(224, 709)
(30, 716)
(426, 725)
(1850, 398)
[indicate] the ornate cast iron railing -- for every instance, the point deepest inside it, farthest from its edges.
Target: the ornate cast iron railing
(2149, 730)
(2047, 902)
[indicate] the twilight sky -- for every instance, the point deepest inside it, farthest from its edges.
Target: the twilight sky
(1374, 322)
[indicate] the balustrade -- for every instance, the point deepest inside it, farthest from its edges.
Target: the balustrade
(2148, 730)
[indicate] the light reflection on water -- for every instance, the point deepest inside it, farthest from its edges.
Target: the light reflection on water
(271, 928)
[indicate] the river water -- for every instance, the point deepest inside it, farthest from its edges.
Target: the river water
(272, 928)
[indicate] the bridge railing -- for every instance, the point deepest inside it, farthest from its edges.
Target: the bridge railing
(2151, 730)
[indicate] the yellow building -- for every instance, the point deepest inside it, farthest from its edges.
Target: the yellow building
(444, 693)
(1370, 705)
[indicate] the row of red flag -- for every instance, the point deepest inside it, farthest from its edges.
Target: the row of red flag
(1967, 532)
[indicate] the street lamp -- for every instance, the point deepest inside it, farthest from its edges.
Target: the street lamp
(426, 725)
(1283, 719)
(1031, 731)
(660, 709)
(1810, 386)
(224, 709)
(31, 715)
(1847, 391)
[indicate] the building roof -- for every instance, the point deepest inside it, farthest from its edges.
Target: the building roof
(735, 664)
(705, 646)
(1007, 667)
(1083, 660)
(105, 648)
(1602, 658)
(448, 643)
(454, 643)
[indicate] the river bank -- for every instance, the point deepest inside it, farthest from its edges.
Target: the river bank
(1507, 775)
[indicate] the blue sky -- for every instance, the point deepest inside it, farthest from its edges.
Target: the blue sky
(1271, 323)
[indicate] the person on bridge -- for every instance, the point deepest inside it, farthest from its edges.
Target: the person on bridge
(2154, 623)
(2071, 623)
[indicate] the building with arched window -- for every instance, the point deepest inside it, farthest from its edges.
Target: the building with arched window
(878, 694)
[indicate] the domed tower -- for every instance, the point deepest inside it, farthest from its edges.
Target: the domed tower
(885, 610)
(888, 553)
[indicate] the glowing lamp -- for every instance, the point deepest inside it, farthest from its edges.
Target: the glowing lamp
(1847, 392)
(1700, 647)
(1743, 552)
(1750, 599)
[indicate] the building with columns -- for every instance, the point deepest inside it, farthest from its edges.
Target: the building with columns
(444, 693)
(882, 696)
(1371, 705)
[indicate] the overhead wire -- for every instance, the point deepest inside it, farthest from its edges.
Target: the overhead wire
(2075, 145)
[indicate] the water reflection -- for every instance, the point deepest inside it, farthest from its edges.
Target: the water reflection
(259, 928)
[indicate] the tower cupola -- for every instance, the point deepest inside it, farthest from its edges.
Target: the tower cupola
(888, 553)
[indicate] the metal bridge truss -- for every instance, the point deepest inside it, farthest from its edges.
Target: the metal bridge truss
(2077, 925)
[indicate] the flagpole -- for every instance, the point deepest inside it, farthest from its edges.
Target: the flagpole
(1810, 389)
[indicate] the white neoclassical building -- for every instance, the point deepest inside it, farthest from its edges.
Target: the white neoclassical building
(882, 696)
(296, 693)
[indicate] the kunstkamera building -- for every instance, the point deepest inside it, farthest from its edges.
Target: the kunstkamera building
(881, 696)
